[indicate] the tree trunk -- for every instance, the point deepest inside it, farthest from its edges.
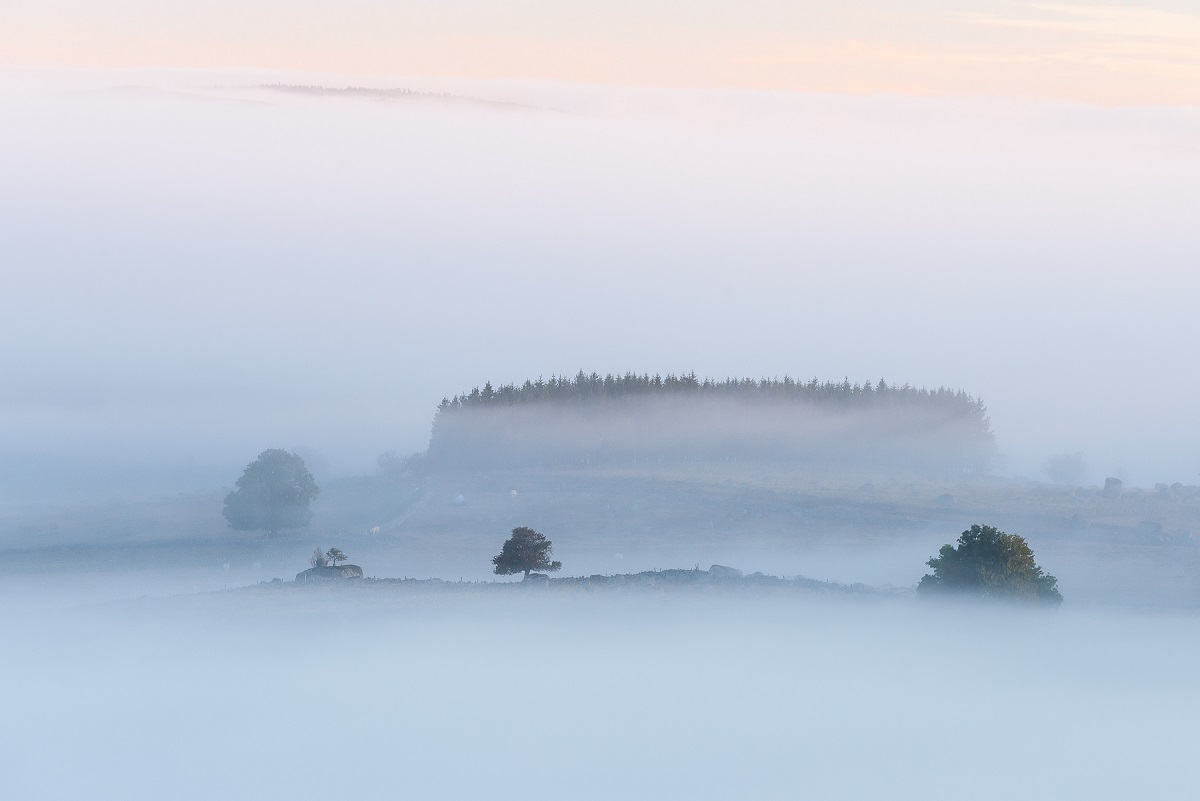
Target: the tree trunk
(526, 573)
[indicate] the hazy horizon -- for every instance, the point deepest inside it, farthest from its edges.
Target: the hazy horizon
(200, 269)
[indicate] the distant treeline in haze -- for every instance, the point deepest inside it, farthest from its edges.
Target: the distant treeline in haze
(635, 419)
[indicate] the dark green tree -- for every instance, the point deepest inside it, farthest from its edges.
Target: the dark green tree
(525, 551)
(335, 555)
(272, 495)
(987, 563)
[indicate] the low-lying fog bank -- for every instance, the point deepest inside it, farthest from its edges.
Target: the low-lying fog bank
(1137, 549)
(236, 695)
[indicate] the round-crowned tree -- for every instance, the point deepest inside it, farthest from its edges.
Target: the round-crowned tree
(272, 495)
(526, 550)
(987, 563)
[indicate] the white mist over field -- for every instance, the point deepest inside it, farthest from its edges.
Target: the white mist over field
(196, 269)
(287, 694)
(198, 266)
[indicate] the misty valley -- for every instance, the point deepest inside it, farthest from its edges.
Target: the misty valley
(855, 484)
(664, 587)
(339, 455)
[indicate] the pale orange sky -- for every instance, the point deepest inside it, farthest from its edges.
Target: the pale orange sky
(1122, 53)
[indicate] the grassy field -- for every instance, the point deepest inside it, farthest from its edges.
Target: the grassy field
(1136, 549)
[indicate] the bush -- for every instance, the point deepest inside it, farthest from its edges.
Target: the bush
(987, 563)
(273, 494)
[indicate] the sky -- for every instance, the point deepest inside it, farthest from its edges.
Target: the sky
(997, 197)
(1141, 53)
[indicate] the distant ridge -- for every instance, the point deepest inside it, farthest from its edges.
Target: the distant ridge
(383, 94)
(591, 419)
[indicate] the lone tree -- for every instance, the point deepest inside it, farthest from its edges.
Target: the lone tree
(272, 495)
(987, 563)
(526, 550)
(335, 555)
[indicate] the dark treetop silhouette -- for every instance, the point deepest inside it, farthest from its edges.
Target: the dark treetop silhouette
(525, 551)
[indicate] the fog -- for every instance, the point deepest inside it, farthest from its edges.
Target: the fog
(197, 269)
(789, 436)
(199, 265)
(275, 693)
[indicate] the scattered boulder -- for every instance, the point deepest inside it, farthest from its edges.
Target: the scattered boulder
(1113, 487)
(723, 572)
(339, 573)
